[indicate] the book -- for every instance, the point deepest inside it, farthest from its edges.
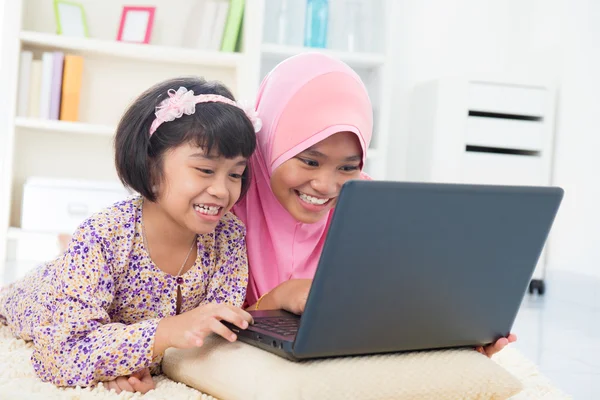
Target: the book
(71, 88)
(233, 25)
(47, 64)
(24, 81)
(219, 25)
(35, 86)
(56, 87)
(209, 14)
(199, 27)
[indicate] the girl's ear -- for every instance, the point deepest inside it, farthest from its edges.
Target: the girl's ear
(155, 178)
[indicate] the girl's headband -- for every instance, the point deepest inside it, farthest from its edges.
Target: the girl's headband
(183, 101)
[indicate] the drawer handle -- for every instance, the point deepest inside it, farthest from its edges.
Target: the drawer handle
(77, 209)
(517, 117)
(496, 150)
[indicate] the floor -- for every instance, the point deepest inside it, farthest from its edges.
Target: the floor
(560, 332)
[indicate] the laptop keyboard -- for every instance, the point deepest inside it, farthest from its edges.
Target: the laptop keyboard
(280, 325)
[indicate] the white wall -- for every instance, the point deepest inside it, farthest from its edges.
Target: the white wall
(554, 40)
(576, 242)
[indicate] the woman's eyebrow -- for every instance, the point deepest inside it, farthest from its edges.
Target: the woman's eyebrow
(318, 154)
(356, 157)
(314, 153)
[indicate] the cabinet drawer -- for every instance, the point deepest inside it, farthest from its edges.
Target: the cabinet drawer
(505, 133)
(62, 207)
(506, 99)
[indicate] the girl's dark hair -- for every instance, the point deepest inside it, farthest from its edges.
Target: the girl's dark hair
(214, 126)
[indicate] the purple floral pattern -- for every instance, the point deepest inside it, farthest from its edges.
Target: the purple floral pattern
(92, 313)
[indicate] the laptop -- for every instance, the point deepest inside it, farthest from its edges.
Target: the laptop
(415, 266)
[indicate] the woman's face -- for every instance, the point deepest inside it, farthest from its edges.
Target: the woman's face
(308, 184)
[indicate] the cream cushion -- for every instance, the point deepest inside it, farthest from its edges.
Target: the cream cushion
(232, 371)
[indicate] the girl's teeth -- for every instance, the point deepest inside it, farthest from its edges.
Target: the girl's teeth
(208, 210)
(312, 200)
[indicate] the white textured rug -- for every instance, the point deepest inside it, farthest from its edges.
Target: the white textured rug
(18, 381)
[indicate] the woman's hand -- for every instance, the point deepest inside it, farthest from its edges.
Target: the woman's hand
(290, 295)
(492, 349)
(140, 381)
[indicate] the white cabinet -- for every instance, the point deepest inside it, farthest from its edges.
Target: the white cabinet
(61, 205)
(482, 132)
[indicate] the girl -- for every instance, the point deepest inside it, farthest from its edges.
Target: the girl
(317, 125)
(158, 270)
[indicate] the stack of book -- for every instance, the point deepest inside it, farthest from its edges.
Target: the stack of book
(214, 25)
(50, 88)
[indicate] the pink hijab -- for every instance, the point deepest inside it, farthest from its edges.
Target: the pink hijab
(302, 101)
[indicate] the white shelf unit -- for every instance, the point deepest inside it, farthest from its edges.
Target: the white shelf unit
(356, 60)
(139, 52)
(64, 127)
(115, 73)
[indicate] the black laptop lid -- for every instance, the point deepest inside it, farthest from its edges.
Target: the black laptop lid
(411, 266)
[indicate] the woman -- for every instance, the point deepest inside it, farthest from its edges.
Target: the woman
(316, 128)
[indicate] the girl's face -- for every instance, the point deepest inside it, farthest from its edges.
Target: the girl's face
(308, 184)
(196, 188)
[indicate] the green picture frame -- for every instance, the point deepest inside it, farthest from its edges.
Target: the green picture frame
(70, 19)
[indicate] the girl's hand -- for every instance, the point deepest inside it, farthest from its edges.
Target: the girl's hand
(140, 381)
(492, 349)
(192, 327)
(290, 295)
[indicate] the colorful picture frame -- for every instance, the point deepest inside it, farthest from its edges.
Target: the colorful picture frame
(136, 24)
(70, 19)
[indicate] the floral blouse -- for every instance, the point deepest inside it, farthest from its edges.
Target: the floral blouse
(92, 313)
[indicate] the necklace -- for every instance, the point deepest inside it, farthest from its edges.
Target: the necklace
(179, 279)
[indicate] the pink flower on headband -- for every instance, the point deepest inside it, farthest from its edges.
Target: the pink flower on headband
(183, 101)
